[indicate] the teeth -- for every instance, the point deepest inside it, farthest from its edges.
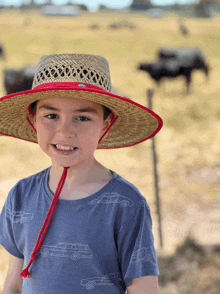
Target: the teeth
(64, 147)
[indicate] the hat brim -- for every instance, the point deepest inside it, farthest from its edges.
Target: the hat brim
(135, 122)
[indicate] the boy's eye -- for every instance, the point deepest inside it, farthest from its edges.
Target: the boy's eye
(51, 116)
(83, 118)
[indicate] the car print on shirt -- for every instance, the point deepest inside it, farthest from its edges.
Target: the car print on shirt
(20, 216)
(142, 254)
(113, 197)
(64, 249)
(90, 283)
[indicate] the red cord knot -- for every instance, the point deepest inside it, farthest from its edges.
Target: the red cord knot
(33, 256)
(25, 273)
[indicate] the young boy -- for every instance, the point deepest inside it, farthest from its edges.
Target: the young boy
(97, 238)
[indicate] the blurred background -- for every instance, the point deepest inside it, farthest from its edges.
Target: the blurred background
(171, 40)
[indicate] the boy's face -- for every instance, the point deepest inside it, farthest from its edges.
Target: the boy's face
(68, 129)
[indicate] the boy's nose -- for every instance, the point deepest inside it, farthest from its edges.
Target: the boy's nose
(65, 128)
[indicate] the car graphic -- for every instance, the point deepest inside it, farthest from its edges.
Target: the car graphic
(143, 254)
(112, 198)
(21, 216)
(64, 249)
(90, 283)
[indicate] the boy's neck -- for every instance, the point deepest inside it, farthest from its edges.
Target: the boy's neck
(84, 180)
(77, 175)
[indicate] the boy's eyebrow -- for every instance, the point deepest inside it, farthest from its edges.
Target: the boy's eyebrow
(48, 107)
(86, 109)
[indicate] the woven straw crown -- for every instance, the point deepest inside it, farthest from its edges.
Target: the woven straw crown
(84, 68)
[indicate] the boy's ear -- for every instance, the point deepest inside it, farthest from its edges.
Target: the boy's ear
(107, 124)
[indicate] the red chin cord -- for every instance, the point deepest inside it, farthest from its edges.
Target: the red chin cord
(25, 273)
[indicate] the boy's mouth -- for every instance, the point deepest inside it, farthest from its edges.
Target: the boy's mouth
(61, 147)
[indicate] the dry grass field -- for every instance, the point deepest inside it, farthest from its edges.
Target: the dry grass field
(188, 144)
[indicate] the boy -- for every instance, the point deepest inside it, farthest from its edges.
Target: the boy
(98, 237)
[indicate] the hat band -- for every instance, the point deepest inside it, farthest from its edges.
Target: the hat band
(68, 86)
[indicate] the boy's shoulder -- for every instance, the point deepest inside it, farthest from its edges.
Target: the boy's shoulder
(31, 180)
(35, 177)
(128, 189)
(26, 187)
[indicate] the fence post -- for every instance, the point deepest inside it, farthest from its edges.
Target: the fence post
(150, 94)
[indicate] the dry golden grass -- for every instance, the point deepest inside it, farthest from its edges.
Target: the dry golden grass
(189, 140)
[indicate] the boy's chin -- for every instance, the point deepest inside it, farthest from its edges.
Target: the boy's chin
(59, 164)
(73, 164)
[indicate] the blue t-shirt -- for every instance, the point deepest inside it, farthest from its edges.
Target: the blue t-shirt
(95, 245)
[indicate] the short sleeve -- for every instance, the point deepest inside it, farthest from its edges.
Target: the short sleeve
(136, 249)
(7, 239)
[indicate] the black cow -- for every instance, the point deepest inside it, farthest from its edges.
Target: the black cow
(18, 80)
(172, 63)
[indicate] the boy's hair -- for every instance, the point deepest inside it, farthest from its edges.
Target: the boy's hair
(106, 110)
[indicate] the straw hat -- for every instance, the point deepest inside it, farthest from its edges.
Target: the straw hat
(82, 76)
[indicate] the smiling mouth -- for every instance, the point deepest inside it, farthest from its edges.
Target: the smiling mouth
(67, 148)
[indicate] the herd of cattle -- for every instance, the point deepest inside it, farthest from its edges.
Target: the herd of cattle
(170, 63)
